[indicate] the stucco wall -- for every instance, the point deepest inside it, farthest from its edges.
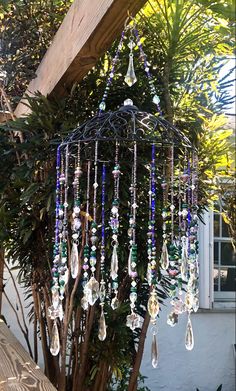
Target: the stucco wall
(209, 364)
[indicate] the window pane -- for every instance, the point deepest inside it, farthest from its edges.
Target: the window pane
(216, 279)
(228, 279)
(226, 253)
(216, 252)
(216, 225)
(225, 231)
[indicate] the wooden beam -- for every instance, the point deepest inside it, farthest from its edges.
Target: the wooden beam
(5, 116)
(88, 30)
(17, 370)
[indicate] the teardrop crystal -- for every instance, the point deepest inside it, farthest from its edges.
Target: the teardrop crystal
(189, 340)
(130, 77)
(153, 305)
(114, 263)
(55, 341)
(84, 303)
(164, 257)
(154, 351)
(91, 290)
(74, 261)
(102, 330)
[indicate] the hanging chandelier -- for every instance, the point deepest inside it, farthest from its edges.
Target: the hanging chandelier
(115, 155)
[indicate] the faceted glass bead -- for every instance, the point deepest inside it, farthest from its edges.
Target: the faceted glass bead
(164, 257)
(172, 319)
(129, 262)
(128, 102)
(102, 106)
(115, 303)
(102, 291)
(74, 261)
(154, 355)
(130, 77)
(195, 303)
(91, 290)
(156, 99)
(55, 341)
(84, 303)
(55, 297)
(133, 321)
(189, 340)
(52, 313)
(153, 305)
(102, 329)
(114, 263)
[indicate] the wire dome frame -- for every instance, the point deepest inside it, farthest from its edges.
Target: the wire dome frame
(128, 124)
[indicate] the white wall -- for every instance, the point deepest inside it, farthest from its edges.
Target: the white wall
(209, 364)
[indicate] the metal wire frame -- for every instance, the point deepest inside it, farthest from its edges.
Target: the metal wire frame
(125, 125)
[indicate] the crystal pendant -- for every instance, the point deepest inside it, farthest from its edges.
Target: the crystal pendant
(153, 305)
(115, 303)
(156, 99)
(172, 319)
(114, 263)
(129, 262)
(128, 102)
(91, 290)
(53, 313)
(102, 330)
(130, 77)
(154, 351)
(189, 340)
(164, 257)
(74, 261)
(55, 341)
(195, 303)
(133, 321)
(55, 297)
(60, 311)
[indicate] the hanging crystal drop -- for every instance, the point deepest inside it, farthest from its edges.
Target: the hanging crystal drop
(55, 341)
(164, 257)
(55, 297)
(60, 311)
(153, 305)
(74, 261)
(114, 263)
(189, 340)
(156, 99)
(154, 351)
(172, 319)
(129, 262)
(91, 290)
(102, 330)
(130, 77)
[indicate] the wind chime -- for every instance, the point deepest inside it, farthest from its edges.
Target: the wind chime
(102, 153)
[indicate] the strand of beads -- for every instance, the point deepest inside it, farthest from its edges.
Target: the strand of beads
(133, 320)
(153, 304)
(114, 224)
(92, 287)
(164, 260)
(84, 300)
(102, 292)
(155, 97)
(76, 222)
(102, 104)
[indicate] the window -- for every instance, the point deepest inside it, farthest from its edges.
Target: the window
(217, 267)
(224, 272)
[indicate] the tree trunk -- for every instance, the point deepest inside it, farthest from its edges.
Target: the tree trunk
(1, 277)
(138, 358)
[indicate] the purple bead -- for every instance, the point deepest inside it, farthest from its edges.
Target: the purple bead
(133, 274)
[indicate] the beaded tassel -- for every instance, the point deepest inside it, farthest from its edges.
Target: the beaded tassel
(76, 222)
(133, 320)
(102, 292)
(114, 224)
(86, 252)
